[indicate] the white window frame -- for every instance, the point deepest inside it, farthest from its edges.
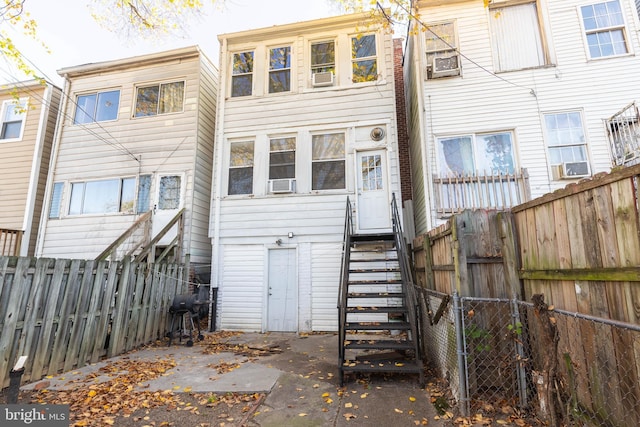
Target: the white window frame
(601, 30)
(374, 58)
(288, 69)
(119, 211)
(473, 136)
(584, 144)
(251, 164)
(328, 66)
(250, 73)
(92, 115)
(446, 51)
(295, 147)
(498, 43)
(160, 86)
(343, 159)
(23, 104)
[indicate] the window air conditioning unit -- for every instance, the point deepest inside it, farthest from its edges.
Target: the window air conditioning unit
(322, 79)
(286, 185)
(572, 170)
(445, 66)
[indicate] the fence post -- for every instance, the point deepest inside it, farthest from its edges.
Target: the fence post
(520, 371)
(462, 356)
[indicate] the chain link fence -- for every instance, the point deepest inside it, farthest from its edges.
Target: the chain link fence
(566, 368)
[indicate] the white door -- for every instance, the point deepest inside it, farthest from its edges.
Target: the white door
(168, 203)
(282, 301)
(373, 205)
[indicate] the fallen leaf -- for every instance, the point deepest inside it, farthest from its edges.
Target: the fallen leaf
(348, 405)
(364, 395)
(398, 410)
(326, 394)
(412, 399)
(302, 414)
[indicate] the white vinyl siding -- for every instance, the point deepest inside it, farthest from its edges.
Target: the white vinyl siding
(241, 300)
(325, 270)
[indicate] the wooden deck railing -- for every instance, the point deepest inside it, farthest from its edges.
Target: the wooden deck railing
(10, 242)
(454, 194)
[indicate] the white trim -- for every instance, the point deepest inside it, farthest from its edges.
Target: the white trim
(3, 111)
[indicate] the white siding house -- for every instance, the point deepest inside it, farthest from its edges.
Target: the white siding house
(306, 114)
(135, 135)
(516, 91)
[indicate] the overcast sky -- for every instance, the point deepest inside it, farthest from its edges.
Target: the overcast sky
(74, 38)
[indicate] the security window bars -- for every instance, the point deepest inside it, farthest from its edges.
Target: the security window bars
(280, 69)
(282, 158)
(565, 138)
(157, 99)
(364, 65)
(604, 29)
(97, 107)
(242, 77)
(516, 37)
(241, 168)
(13, 115)
(483, 154)
(328, 161)
(323, 57)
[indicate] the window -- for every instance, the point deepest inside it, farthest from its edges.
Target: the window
(441, 46)
(483, 154)
(516, 37)
(13, 114)
(565, 137)
(280, 69)
(159, 99)
(604, 29)
(282, 158)
(56, 200)
(364, 65)
(144, 193)
(105, 196)
(323, 57)
(169, 192)
(242, 78)
(241, 168)
(97, 107)
(328, 161)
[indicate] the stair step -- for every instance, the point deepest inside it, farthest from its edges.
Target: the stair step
(374, 259)
(376, 326)
(395, 365)
(375, 295)
(375, 270)
(382, 237)
(376, 282)
(359, 309)
(378, 345)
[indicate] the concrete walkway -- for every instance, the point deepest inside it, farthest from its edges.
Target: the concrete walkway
(299, 378)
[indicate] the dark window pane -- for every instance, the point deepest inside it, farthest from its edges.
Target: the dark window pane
(11, 130)
(85, 109)
(363, 47)
(107, 105)
(365, 71)
(147, 101)
(241, 180)
(282, 171)
(328, 175)
(241, 85)
(279, 81)
(322, 56)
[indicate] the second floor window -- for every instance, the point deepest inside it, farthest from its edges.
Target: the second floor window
(364, 65)
(323, 57)
(441, 54)
(97, 107)
(280, 69)
(604, 29)
(476, 154)
(328, 161)
(282, 158)
(241, 168)
(566, 138)
(242, 77)
(161, 98)
(13, 114)
(516, 37)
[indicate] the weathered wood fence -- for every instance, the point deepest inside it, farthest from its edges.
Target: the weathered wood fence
(64, 314)
(10, 242)
(580, 248)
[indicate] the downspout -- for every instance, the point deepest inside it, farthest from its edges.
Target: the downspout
(34, 178)
(52, 162)
(216, 186)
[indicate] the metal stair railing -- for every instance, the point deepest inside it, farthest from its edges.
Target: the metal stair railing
(407, 277)
(344, 281)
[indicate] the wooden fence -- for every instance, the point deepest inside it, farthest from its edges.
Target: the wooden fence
(64, 314)
(580, 248)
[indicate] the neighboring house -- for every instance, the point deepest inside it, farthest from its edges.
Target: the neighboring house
(515, 99)
(133, 151)
(307, 119)
(28, 111)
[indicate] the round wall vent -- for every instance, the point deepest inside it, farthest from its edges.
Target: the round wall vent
(377, 134)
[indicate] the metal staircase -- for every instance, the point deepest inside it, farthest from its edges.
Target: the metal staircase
(377, 304)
